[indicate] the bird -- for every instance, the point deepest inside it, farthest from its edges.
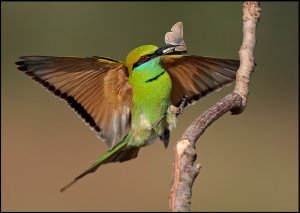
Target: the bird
(130, 105)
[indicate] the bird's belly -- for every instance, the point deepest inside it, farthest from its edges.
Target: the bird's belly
(149, 110)
(149, 123)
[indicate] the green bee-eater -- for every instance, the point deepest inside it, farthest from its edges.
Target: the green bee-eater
(130, 105)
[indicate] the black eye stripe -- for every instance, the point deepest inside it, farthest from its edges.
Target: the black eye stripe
(144, 59)
(157, 53)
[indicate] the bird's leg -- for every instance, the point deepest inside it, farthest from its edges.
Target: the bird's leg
(179, 110)
(171, 114)
(174, 111)
(155, 124)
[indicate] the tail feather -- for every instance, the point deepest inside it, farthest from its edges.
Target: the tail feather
(118, 153)
(126, 155)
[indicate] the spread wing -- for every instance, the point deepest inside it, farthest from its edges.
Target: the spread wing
(196, 76)
(96, 88)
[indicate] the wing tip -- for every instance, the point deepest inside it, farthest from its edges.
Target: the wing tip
(32, 65)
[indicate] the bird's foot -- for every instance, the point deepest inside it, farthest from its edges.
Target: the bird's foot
(179, 110)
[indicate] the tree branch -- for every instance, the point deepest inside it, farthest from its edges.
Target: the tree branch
(184, 170)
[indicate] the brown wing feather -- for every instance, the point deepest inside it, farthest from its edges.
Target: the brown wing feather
(96, 88)
(196, 76)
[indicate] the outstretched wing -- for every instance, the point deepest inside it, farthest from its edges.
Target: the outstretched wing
(96, 88)
(196, 76)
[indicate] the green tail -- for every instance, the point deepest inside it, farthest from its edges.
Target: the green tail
(118, 153)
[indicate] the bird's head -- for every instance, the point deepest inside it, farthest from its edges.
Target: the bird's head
(140, 55)
(145, 53)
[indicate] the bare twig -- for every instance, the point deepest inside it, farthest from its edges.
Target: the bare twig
(184, 170)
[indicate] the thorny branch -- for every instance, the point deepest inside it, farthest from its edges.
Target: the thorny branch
(184, 170)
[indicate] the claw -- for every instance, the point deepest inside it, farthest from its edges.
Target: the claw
(179, 109)
(183, 102)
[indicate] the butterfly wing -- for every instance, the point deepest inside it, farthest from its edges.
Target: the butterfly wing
(175, 37)
(196, 76)
(96, 88)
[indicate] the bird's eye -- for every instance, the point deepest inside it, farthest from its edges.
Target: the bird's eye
(144, 58)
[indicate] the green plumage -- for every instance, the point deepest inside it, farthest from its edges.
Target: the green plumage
(130, 105)
(151, 90)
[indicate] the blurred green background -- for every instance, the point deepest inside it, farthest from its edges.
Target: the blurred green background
(250, 161)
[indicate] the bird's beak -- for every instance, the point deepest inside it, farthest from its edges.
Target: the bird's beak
(169, 48)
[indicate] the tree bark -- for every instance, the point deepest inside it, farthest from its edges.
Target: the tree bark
(184, 170)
